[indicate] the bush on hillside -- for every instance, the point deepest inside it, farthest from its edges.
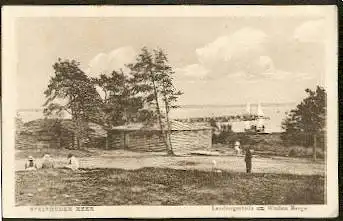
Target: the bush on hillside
(300, 151)
(229, 137)
(306, 120)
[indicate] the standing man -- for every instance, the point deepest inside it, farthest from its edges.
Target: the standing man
(247, 159)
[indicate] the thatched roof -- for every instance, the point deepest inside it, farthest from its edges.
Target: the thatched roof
(97, 130)
(47, 125)
(175, 126)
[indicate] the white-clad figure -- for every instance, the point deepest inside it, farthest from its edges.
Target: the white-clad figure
(238, 147)
(47, 162)
(214, 167)
(73, 162)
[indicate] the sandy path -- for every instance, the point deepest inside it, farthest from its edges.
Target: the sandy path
(127, 160)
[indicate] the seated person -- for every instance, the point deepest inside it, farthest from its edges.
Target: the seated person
(73, 163)
(30, 164)
(47, 162)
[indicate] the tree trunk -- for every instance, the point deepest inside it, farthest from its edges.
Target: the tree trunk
(106, 145)
(59, 142)
(168, 127)
(164, 137)
(76, 134)
(314, 147)
(78, 143)
(125, 140)
(169, 139)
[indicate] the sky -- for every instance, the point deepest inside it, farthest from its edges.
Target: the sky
(217, 61)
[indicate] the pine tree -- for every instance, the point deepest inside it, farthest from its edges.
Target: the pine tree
(308, 119)
(120, 104)
(166, 88)
(72, 91)
(146, 82)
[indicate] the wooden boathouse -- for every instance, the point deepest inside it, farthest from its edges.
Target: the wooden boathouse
(185, 138)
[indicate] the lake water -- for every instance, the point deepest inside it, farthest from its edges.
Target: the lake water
(276, 113)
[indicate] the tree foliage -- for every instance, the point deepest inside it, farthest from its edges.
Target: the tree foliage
(121, 104)
(145, 94)
(152, 78)
(18, 123)
(307, 119)
(166, 88)
(72, 91)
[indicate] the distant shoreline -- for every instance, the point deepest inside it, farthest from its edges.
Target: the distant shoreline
(235, 105)
(199, 106)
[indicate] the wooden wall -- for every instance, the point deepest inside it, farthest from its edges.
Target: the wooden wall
(182, 141)
(115, 140)
(187, 141)
(44, 140)
(145, 141)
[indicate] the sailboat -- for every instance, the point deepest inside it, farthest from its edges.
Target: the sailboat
(260, 120)
(259, 110)
(248, 122)
(248, 109)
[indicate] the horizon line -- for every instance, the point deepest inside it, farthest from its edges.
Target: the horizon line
(195, 105)
(239, 105)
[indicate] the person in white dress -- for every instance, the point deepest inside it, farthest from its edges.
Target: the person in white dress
(73, 162)
(238, 147)
(47, 162)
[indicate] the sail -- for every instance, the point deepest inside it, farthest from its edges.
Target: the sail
(248, 108)
(260, 122)
(247, 125)
(259, 110)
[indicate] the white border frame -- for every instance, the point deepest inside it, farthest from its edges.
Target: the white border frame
(10, 13)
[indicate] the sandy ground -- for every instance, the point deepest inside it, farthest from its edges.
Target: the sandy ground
(133, 160)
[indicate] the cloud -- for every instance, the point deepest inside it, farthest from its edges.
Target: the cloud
(229, 54)
(272, 76)
(241, 56)
(193, 70)
(261, 67)
(226, 48)
(304, 76)
(105, 63)
(310, 31)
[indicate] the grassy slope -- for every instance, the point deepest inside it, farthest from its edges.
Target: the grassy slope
(38, 153)
(152, 186)
(271, 145)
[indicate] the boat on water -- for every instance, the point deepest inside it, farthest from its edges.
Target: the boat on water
(248, 112)
(259, 110)
(260, 120)
(248, 109)
(256, 126)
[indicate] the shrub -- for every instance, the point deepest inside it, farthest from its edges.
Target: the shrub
(292, 153)
(307, 119)
(300, 151)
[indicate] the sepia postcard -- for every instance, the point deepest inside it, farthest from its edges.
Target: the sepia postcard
(169, 111)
